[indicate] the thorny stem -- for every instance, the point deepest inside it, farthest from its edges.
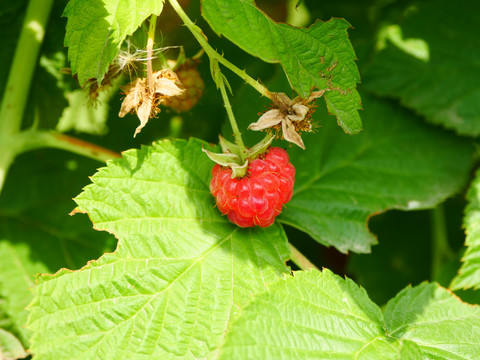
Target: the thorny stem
(300, 260)
(213, 55)
(236, 132)
(150, 41)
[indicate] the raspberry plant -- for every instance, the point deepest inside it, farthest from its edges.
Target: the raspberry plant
(261, 246)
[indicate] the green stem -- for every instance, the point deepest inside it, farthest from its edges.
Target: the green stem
(150, 42)
(236, 132)
(34, 139)
(300, 260)
(19, 79)
(23, 65)
(441, 251)
(31, 140)
(213, 55)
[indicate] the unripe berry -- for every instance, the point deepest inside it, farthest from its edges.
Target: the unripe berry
(192, 83)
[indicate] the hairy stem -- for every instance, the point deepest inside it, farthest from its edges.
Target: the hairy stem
(150, 42)
(300, 260)
(236, 132)
(213, 55)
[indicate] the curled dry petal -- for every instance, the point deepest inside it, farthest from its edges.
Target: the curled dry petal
(299, 112)
(143, 113)
(268, 120)
(134, 95)
(282, 98)
(167, 87)
(290, 134)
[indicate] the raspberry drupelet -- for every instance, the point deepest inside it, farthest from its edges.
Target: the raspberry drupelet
(259, 196)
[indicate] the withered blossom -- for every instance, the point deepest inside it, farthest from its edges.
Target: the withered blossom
(144, 101)
(291, 115)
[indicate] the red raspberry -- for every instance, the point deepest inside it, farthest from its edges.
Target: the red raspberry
(258, 197)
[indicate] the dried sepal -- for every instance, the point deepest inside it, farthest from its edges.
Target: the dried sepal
(290, 116)
(267, 120)
(291, 135)
(145, 100)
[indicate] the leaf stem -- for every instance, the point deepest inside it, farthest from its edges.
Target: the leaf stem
(150, 41)
(441, 251)
(213, 55)
(300, 260)
(36, 139)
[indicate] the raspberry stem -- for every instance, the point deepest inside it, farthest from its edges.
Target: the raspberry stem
(150, 41)
(213, 55)
(236, 132)
(300, 260)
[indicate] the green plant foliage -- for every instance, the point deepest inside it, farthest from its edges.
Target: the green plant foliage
(469, 274)
(96, 29)
(396, 162)
(10, 347)
(178, 276)
(312, 58)
(429, 61)
(33, 240)
(317, 315)
(84, 115)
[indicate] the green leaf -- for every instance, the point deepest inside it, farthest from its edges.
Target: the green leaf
(319, 315)
(469, 274)
(395, 163)
(178, 276)
(36, 233)
(96, 29)
(10, 347)
(438, 322)
(84, 116)
(312, 58)
(429, 61)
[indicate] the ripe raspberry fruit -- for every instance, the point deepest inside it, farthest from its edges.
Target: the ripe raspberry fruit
(258, 197)
(193, 85)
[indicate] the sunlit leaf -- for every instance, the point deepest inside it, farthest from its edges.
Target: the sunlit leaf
(320, 56)
(319, 315)
(178, 276)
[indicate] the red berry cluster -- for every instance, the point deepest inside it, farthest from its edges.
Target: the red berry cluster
(258, 197)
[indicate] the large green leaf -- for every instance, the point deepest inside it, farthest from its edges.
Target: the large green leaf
(430, 62)
(178, 276)
(319, 315)
(36, 233)
(96, 30)
(396, 162)
(469, 274)
(311, 57)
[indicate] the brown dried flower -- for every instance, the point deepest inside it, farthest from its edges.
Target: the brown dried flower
(145, 99)
(292, 116)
